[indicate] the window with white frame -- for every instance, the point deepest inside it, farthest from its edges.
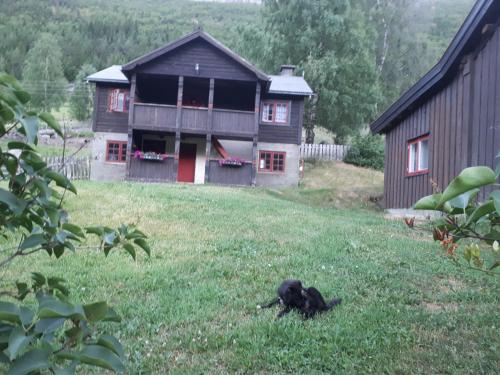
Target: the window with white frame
(275, 112)
(418, 155)
(118, 100)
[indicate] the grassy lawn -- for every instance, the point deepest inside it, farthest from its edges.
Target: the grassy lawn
(218, 252)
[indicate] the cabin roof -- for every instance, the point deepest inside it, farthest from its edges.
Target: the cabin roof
(112, 74)
(198, 34)
(465, 41)
(289, 85)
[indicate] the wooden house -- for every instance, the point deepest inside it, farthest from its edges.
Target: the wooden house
(194, 111)
(450, 119)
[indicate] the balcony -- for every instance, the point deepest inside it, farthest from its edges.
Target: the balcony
(154, 116)
(162, 117)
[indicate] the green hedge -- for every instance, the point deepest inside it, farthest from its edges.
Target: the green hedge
(366, 151)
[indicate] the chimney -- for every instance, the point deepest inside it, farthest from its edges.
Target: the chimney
(287, 70)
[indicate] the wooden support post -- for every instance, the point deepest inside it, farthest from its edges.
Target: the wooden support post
(208, 151)
(130, 123)
(178, 119)
(255, 134)
(208, 148)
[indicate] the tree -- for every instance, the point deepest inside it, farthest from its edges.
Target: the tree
(80, 103)
(40, 328)
(43, 75)
(331, 43)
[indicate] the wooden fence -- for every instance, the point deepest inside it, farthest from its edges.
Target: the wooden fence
(323, 152)
(75, 168)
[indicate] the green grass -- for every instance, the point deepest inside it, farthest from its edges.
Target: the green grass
(219, 252)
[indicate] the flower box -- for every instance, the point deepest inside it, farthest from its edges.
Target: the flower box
(231, 162)
(151, 156)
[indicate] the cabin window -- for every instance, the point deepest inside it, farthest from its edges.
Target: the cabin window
(271, 161)
(116, 151)
(118, 100)
(418, 156)
(275, 112)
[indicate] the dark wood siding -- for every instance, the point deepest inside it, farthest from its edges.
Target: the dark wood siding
(241, 176)
(105, 121)
(463, 121)
(212, 63)
(291, 133)
(147, 170)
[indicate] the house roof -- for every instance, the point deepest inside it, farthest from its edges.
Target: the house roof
(186, 39)
(465, 41)
(112, 74)
(290, 85)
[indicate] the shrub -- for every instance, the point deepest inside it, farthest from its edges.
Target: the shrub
(366, 151)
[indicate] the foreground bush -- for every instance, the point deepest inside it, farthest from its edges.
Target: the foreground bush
(41, 329)
(366, 151)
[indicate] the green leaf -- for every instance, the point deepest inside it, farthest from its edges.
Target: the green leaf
(49, 325)
(32, 241)
(65, 371)
(480, 211)
(112, 316)
(95, 230)
(463, 200)
(51, 122)
(50, 307)
(16, 145)
(142, 243)
(130, 249)
(17, 342)
(60, 180)
(9, 312)
(111, 343)
(33, 361)
(96, 311)
(102, 357)
(38, 279)
(495, 196)
(468, 179)
(15, 204)
(75, 229)
(30, 125)
(26, 315)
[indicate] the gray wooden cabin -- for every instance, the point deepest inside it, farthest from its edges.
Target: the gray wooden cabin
(208, 114)
(450, 119)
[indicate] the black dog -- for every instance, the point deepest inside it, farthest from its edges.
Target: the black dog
(315, 303)
(309, 301)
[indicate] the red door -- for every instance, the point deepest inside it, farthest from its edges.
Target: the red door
(187, 162)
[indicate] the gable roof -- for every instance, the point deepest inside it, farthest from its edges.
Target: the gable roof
(464, 42)
(112, 74)
(186, 39)
(289, 85)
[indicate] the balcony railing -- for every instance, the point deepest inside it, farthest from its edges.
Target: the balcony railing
(163, 117)
(155, 116)
(233, 122)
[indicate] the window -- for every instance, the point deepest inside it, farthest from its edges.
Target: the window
(116, 151)
(118, 100)
(418, 156)
(271, 161)
(275, 112)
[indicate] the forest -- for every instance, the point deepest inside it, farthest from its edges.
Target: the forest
(358, 55)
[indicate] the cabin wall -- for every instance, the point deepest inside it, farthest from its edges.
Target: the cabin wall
(104, 121)
(462, 120)
(290, 177)
(290, 133)
(100, 169)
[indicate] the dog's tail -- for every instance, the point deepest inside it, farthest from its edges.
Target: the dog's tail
(270, 304)
(334, 302)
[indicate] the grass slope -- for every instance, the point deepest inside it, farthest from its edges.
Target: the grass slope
(218, 252)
